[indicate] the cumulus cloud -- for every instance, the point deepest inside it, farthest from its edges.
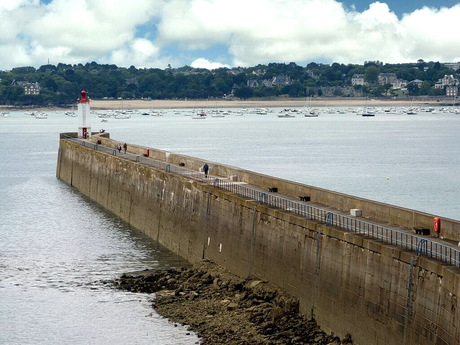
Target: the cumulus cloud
(70, 31)
(262, 31)
(431, 34)
(147, 33)
(139, 52)
(205, 63)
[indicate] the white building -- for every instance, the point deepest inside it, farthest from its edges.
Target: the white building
(357, 79)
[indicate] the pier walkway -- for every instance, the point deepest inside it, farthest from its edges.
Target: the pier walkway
(436, 248)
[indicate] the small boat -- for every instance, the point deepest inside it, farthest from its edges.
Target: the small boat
(200, 116)
(286, 115)
(41, 116)
(412, 110)
(368, 112)
(122, 116)
(311, 113)
(258, 111)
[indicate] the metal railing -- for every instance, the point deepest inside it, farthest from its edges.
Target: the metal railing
(394, 237)
(406, 241)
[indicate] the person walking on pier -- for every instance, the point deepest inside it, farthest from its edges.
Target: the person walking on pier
(125, 147)
(205, 169)
(119, 148)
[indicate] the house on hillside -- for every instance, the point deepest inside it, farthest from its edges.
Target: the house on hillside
(399, 84)
(357, 79)
(29, 88)
(386, 78)
(252, 83)
(312, 74)
(452, 91)
(417, 82)
(452, 65)
(448, 80)
(448, 83)
(32, 89)
(281, 80)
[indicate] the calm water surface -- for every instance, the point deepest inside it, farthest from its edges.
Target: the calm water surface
(411, 161)
(57, 247)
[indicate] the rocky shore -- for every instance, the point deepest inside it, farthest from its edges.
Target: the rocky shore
(224, 309)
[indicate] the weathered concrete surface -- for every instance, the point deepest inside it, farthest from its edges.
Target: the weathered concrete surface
(350, 283)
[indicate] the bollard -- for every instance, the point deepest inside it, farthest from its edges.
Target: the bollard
(437, 224)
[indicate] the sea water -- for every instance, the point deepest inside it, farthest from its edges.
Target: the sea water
(57, 248)
(410, 161)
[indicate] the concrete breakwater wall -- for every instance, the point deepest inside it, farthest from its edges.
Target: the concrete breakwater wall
(351, 284)
(393, 215)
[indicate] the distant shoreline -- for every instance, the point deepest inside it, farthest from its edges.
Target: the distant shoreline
(297, 102)
(98, 104)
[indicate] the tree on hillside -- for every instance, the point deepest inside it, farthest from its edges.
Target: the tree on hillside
(371, 74)
(243, 92)
(413, 89)
(62, 83)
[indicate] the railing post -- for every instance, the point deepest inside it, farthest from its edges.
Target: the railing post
(168, 168)
(422, 247)
(262, 198)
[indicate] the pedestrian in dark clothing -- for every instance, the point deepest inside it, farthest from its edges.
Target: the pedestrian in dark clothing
(205, 169)
(125, 147)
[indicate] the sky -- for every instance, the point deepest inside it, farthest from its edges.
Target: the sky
(226, 33)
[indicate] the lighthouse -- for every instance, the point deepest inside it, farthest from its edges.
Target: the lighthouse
(84, 124)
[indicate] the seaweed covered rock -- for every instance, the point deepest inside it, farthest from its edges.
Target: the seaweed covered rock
(225, 309)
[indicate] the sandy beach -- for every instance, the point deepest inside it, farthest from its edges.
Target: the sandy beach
(299, 102)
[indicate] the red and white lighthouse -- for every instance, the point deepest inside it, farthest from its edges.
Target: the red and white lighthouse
(84, 124)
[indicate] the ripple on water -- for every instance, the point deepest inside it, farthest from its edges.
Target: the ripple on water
(58, 248)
